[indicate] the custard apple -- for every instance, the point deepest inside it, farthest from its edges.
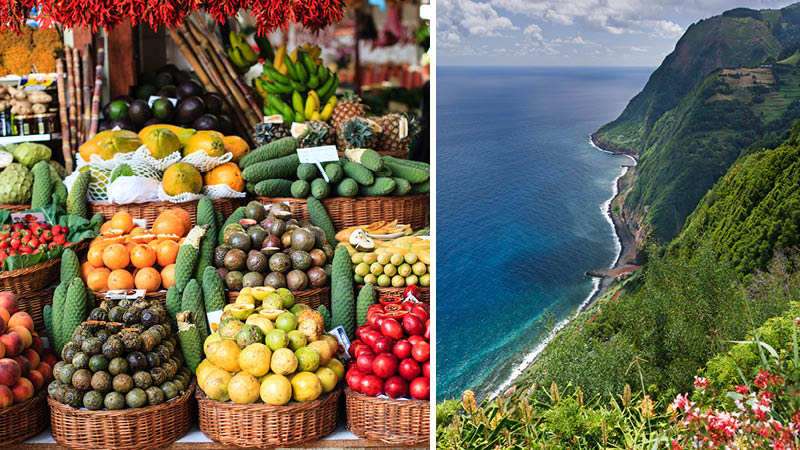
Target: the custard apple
(6, 158)
(57, 168)
(30, 153)
(16, 184)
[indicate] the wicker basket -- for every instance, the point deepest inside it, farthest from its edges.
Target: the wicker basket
(15, 208)
(398, 292)
(33, 302)
(261, 425)
(137, 428)
(311, 297)
(31, 279)
(23, 420)
(399, 422)
(150, 211)
(349, 212)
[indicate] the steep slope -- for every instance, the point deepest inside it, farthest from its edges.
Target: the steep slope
(737, 38)
(754, 209)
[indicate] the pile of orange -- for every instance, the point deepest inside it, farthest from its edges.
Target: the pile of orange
(126, 256)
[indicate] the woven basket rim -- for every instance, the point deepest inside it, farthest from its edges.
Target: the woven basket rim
(157, 203)
(404, 403)
(127, 412)
(262, 408)
(24, 405)
(26, 270)
(348, 199)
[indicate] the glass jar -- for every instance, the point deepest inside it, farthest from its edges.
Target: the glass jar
(22, 125)
(5, 124)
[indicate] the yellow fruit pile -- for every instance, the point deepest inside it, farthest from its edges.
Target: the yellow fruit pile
(404, 261)
(126, 256)
(274, 352)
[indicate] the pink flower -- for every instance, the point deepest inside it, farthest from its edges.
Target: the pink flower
(681, 402)
(742, 389)
(700, 383)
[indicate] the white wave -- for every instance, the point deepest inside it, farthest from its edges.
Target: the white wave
(529, 358)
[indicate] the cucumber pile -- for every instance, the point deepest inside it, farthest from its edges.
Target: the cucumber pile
(272, 173)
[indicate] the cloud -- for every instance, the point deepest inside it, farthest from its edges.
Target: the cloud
(576, 40)
(456, 18)
(534, 31)
(666, 29)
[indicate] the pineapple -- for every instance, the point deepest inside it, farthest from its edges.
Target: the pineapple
(264, 133)
(349, 106)
(317, 133)
(357, 132)
(397, 132)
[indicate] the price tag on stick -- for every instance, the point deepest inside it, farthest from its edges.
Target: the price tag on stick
(318, 155)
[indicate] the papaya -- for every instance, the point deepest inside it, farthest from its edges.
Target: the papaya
(108, 143)
(162, 142)
(183, 133)
(227, 173)
(180, 178)
(209, 143)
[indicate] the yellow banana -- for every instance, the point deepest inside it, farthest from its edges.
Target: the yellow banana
(309, 109)
(293, 55)
(313, 94)
(283, 69)
(277, 61)
(248, 53)
(333, 101)
(326, 112)
(316, 116)
(235, 38)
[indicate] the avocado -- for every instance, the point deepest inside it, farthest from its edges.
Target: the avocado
(189, 88)
(139, 112)
(164, 79)
(214, 102)
(145, 91)
(168, 91)
(163, 109)
(189, 109)
(118, 109)
(206, 122)
(181, 76)
(225, 124)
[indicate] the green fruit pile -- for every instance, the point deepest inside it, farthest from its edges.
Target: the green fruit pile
(390, 269)
(29, 177)
(270, 248)
(269, 349)
(125, 355)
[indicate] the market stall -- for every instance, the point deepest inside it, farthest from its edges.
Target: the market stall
(205, 233)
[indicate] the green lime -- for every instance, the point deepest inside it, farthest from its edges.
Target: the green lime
(118, 109)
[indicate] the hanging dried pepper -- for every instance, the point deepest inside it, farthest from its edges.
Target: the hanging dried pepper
(169, 13)
(13, 14)
(318, 14)
(220, 10)
(271, 14)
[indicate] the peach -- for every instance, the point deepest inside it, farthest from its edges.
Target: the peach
(3, 325)
(2, 349)
(37, 344)
(33, 357)
(10, 371)
(37, 379)
(9, 301)
(46, 371)
(23, 390)
(21, 319)
(13, 343)
(27, 337)
(4, 315)
(49, 356)
(6, 396)
(24, 364)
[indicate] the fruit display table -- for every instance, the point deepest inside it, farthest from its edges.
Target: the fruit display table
(196, 440)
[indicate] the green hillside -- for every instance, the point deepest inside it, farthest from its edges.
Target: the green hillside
(691, 146)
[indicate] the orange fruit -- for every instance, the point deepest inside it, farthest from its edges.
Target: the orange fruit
(143, 256)
(98, 279)
(184, 216)
(95, 255)
(168, 276)
(168, 225)
(120, 279)
(154, 244)
(237, 146)
(116, 256)
(87, 267)
(148, 279)
(105, 227)
(181, 177)
(130, 246)
(167, 253)
(215, 133)
(227, 173)
(122, 221)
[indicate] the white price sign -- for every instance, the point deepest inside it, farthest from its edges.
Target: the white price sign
(153, 98)
(318, 155)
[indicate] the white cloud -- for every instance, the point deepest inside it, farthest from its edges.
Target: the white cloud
(534, 31)
(460, 17)
(576, 40)
(639, 49)
(665, 29)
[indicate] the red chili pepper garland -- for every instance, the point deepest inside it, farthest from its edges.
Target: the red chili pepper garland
(318, 14)
(271, 14)
(13, 14)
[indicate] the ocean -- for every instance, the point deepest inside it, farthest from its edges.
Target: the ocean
(520, 214)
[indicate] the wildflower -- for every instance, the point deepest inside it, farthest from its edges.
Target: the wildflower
(742, 389)
(681, 402)
(468, 402)
(675, 445)
(700, 384)
(647, 407)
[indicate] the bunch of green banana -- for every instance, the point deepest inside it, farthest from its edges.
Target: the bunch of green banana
(305, 92)
(240, 52)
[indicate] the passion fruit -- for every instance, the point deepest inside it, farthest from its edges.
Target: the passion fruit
(93, 400)
(234, 280)
(82, 379)
(302, 239)
(301, 259)
(257, 261)
(296, 280)
(101, 381)
(122, 383)
(118, 365)
(219, 254)
(247, 223)
(136, 398)
(257, 235)
(235, 259)
(256, 211)
(280, 262)
(114, 400)
(317, 277)
(230, 228)
(318, 257)
(252, 279)
(155, 396)
(275, 280)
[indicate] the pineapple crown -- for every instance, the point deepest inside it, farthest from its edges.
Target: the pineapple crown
(265, 133)
(357, 132)
(350, 96)
(315, 133)
(414, 127)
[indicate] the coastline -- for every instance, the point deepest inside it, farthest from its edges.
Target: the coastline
(626, 251)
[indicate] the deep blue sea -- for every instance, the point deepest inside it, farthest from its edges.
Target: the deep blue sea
(520, 210)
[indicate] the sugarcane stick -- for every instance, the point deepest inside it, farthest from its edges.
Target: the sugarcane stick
(98, 90)
(76, 69)
(192, 60)
(247, 103)
(73, 126)
(212, 72)
(66, 148)
(87, 91)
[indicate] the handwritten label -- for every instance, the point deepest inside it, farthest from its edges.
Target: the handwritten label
(275, 118)
(153, 99)
(27, 217)
(140, 222)
(344, 341)
(317, 156)
(297, 129)
(38, 82)
(130, 294)
(213, 318)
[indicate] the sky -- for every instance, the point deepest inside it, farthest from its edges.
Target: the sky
(570, 32)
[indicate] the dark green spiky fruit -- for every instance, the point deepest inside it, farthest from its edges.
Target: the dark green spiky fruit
(213, 290)
(75, 306)
(192, 300)
(70, 265)
(42, 185)
(342, 297)
(319, 217)
(78, 195)
(189, 336)
(326, 316)
(366, 298)
(187, 256)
